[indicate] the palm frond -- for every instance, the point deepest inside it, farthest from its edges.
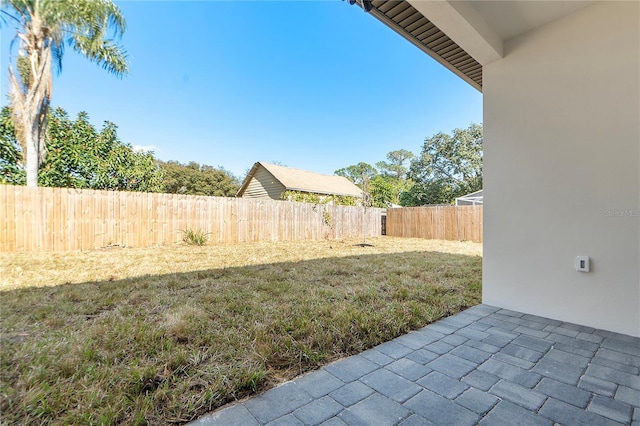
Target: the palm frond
(5, 15)
(105, 53)
(57, 52)
(93, 18)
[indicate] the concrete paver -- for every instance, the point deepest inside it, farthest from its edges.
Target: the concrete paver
(277, 403)
(507, 414)
(518, 394)
(618, 411)
(351, 393)
(442, 384)
(318, 411)
(597, 386)
(440, 410)
(375, 410)
(485, 366)
(319, 384)
(477, 401)
(391, 385)
(567, 393)
(567, 414)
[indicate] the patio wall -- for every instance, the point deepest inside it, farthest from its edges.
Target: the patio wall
(561, 123)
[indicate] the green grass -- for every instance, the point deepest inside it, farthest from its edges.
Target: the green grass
(169, 347)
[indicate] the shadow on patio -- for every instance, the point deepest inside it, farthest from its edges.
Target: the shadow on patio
(482, 366)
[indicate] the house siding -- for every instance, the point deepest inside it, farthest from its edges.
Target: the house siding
(264, 185)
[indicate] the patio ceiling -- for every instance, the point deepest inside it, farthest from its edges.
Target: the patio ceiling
(465, 35)
(403, 18)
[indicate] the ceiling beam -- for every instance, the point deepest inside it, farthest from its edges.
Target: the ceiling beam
(463, 24)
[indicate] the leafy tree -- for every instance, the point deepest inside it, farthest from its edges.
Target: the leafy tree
(11, 171)
(384, 183)
(196, 179)
(358, 173)
(44, 28)
(449, 166)
(396, 165)
(79, 156)
(395, 176)
(382, 191)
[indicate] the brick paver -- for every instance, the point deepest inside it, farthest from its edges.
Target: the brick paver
(483, 366)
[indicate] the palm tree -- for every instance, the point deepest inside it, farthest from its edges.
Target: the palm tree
(44, 28)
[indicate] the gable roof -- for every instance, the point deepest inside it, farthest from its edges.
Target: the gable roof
(305, 181)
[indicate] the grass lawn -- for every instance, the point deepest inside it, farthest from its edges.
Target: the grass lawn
(164, 335)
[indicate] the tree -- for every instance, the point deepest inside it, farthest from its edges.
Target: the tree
(360, 174)
(394, 173)
(449, 166)
(196, 179)
(396, 165)
(384, 183)
(11, 171)
(44, 27)
(79, 156)
(382, 191)
(357, 173)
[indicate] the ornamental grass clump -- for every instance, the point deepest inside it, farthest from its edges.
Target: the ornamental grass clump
(195, 238)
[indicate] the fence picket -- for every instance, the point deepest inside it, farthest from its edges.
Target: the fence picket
(436, 222)
(63, 219)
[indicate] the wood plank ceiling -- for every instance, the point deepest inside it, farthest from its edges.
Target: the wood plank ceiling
(409, 23)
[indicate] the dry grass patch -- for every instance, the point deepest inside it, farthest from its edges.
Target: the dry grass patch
(19, 270)
(154, 336)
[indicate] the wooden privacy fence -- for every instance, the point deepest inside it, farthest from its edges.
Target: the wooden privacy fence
(458, 223)
(63, 219)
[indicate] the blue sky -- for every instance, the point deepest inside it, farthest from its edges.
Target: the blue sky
(316, 85)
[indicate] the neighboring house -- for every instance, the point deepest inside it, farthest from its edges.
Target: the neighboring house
(473, 199)
(561, 104)
(270, 181)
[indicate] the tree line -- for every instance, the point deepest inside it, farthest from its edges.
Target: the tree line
(78, 155)
(448, 166)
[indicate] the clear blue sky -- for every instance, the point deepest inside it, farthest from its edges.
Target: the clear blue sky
(316, 85)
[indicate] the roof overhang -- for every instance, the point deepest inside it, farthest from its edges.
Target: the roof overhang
(466, 35)
(409, 22)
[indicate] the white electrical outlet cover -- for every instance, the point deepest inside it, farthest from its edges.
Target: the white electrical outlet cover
(582, 263)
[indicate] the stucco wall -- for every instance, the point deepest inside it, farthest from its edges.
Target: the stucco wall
(561, 125)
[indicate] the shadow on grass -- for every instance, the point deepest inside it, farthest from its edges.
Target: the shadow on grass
(168, 348)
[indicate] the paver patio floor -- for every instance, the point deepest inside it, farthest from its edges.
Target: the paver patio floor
(486, 366)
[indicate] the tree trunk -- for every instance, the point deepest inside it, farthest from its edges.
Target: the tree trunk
(30, 98)
(32, 142)
(35, 128)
